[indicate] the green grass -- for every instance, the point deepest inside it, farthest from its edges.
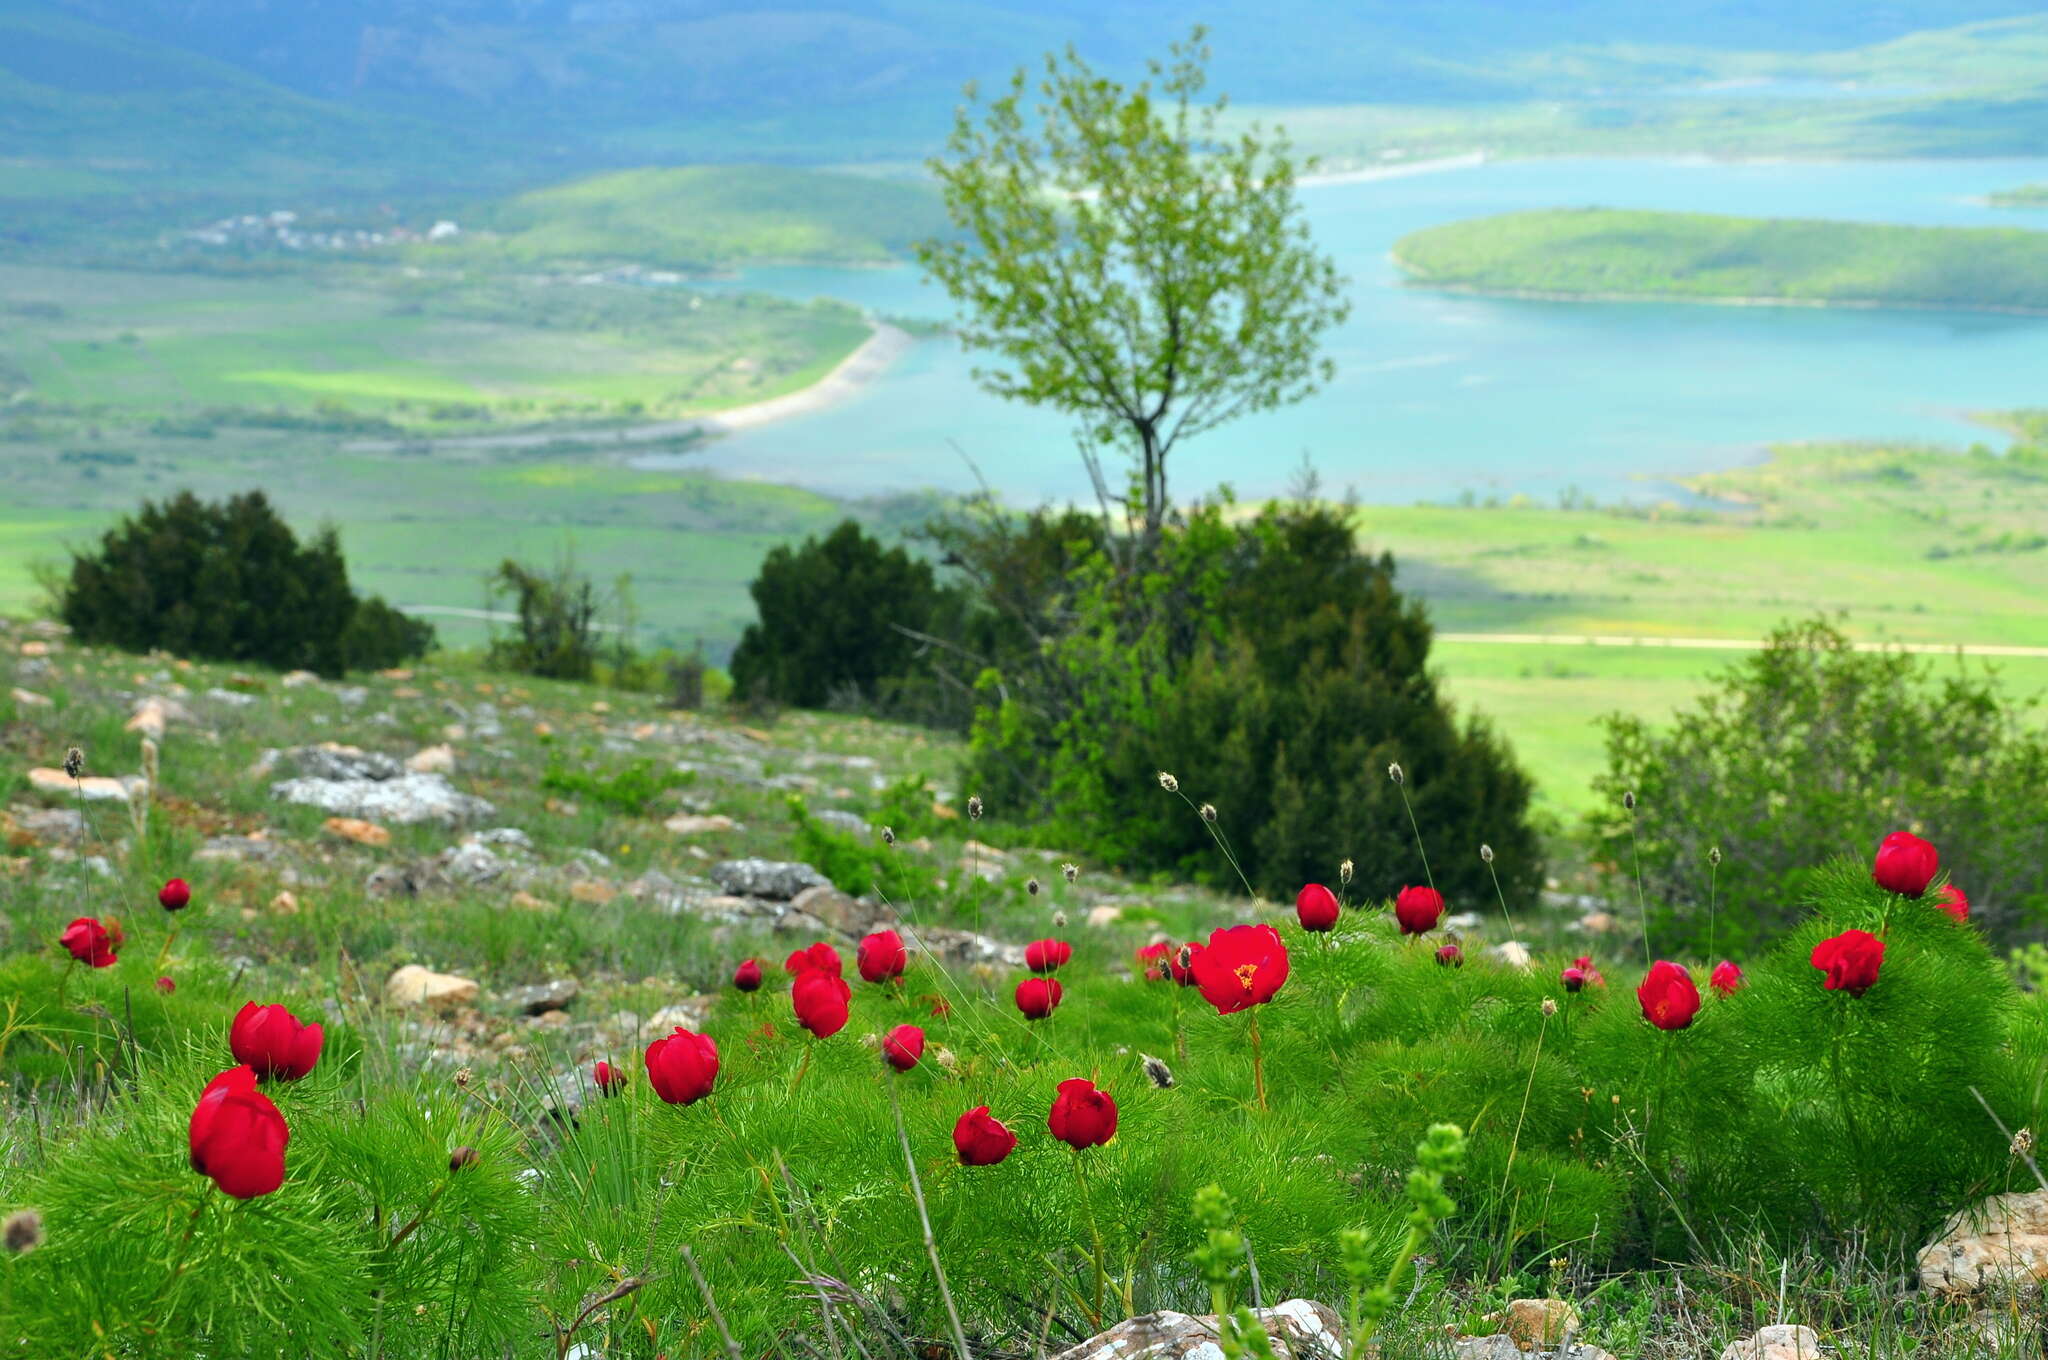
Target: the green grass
(699, 216)
(1610, 253)
(417, 352)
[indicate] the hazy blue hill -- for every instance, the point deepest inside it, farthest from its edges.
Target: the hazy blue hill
(652, 58)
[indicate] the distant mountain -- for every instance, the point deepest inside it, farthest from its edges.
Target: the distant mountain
(611, 67)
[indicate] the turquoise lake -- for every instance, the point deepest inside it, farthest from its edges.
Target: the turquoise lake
(1438, 395)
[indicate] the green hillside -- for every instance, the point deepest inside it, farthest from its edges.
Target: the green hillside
(1606, 253)
(709, 215)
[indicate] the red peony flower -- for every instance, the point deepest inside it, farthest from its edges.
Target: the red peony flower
(1905, 864)
(881, 956)
(610, 1080)
(166, 986)
(174, 895)
(820, 957)
(1581, 975)
(1047, 956)
(1037, 997)
(1082, 1117)
(683, 1066)
(1153, 958)
(270, 1041)
(747, 977)
(1954, 901)
(981, 1139)
(1450, 956)
(1668, 996)
(1851, 960)
(237, 1136)
(1418, 910)
(1317, 907)
(1241, 966)
(89, 940)
(1726, 978)
(820, 999)
(1182, 965)
(902, 1047)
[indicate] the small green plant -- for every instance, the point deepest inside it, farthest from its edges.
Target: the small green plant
(1441, 1153)
(631, 790)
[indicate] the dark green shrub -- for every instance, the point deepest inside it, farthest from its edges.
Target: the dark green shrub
(1804, 744)
(380, 636)
(229, 581)
(829, 615)
(1277, 672)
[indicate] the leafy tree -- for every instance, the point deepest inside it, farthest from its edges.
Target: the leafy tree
(1808, 745)
(830, 612)
(229, 581)
(1134, 268)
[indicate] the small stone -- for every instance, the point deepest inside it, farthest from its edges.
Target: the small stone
(1537, 1322)
(34, 648)
(357, 830)
(286, 903)
(1596, 922)
(779, 880)
(1297, 1327)
(526, 901)
(432, 760)
(542, 997)
(851, 823)
(298, 679)
(94, 788)
(238, 849)
(1781, 1342)
(1108, 914)
(696, 824)
(392, 881)
(415, 986)
(1511, 954)
(844, 913)
(2001, 1241)
(28, 698)
(592, 890)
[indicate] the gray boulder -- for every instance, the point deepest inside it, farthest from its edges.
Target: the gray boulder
(778, 880)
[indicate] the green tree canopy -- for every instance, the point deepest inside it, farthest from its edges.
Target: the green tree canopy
(1132, 267)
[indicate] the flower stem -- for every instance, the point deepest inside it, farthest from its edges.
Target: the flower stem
(1095, 1234)
(65, 981)
(1258, 1061)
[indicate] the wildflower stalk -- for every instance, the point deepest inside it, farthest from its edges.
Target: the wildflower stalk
(1400, 779)
(1713, 881)
(1095, 1235)
(65, 981)
(1486, 853)
(1221, 1259)
(1628, 801)
(931, 1246)
(1515, 1143)
(732, 1347)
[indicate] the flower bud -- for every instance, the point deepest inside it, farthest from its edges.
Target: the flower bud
(974, 808)
(23, 1232)
(1486, 853)
(888, 835)
(1072, 871)
(74, 762)
(1344, 872)
(1168, 782)
(1394, 773)
(1549, 1008)
(1208, 811)
(1628, 800)
(1031, 887)
(1157, 1072)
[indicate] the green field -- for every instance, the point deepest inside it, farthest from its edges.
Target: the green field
(2025, 196)
(409, 350)
(695, 217)
(1611, 253)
